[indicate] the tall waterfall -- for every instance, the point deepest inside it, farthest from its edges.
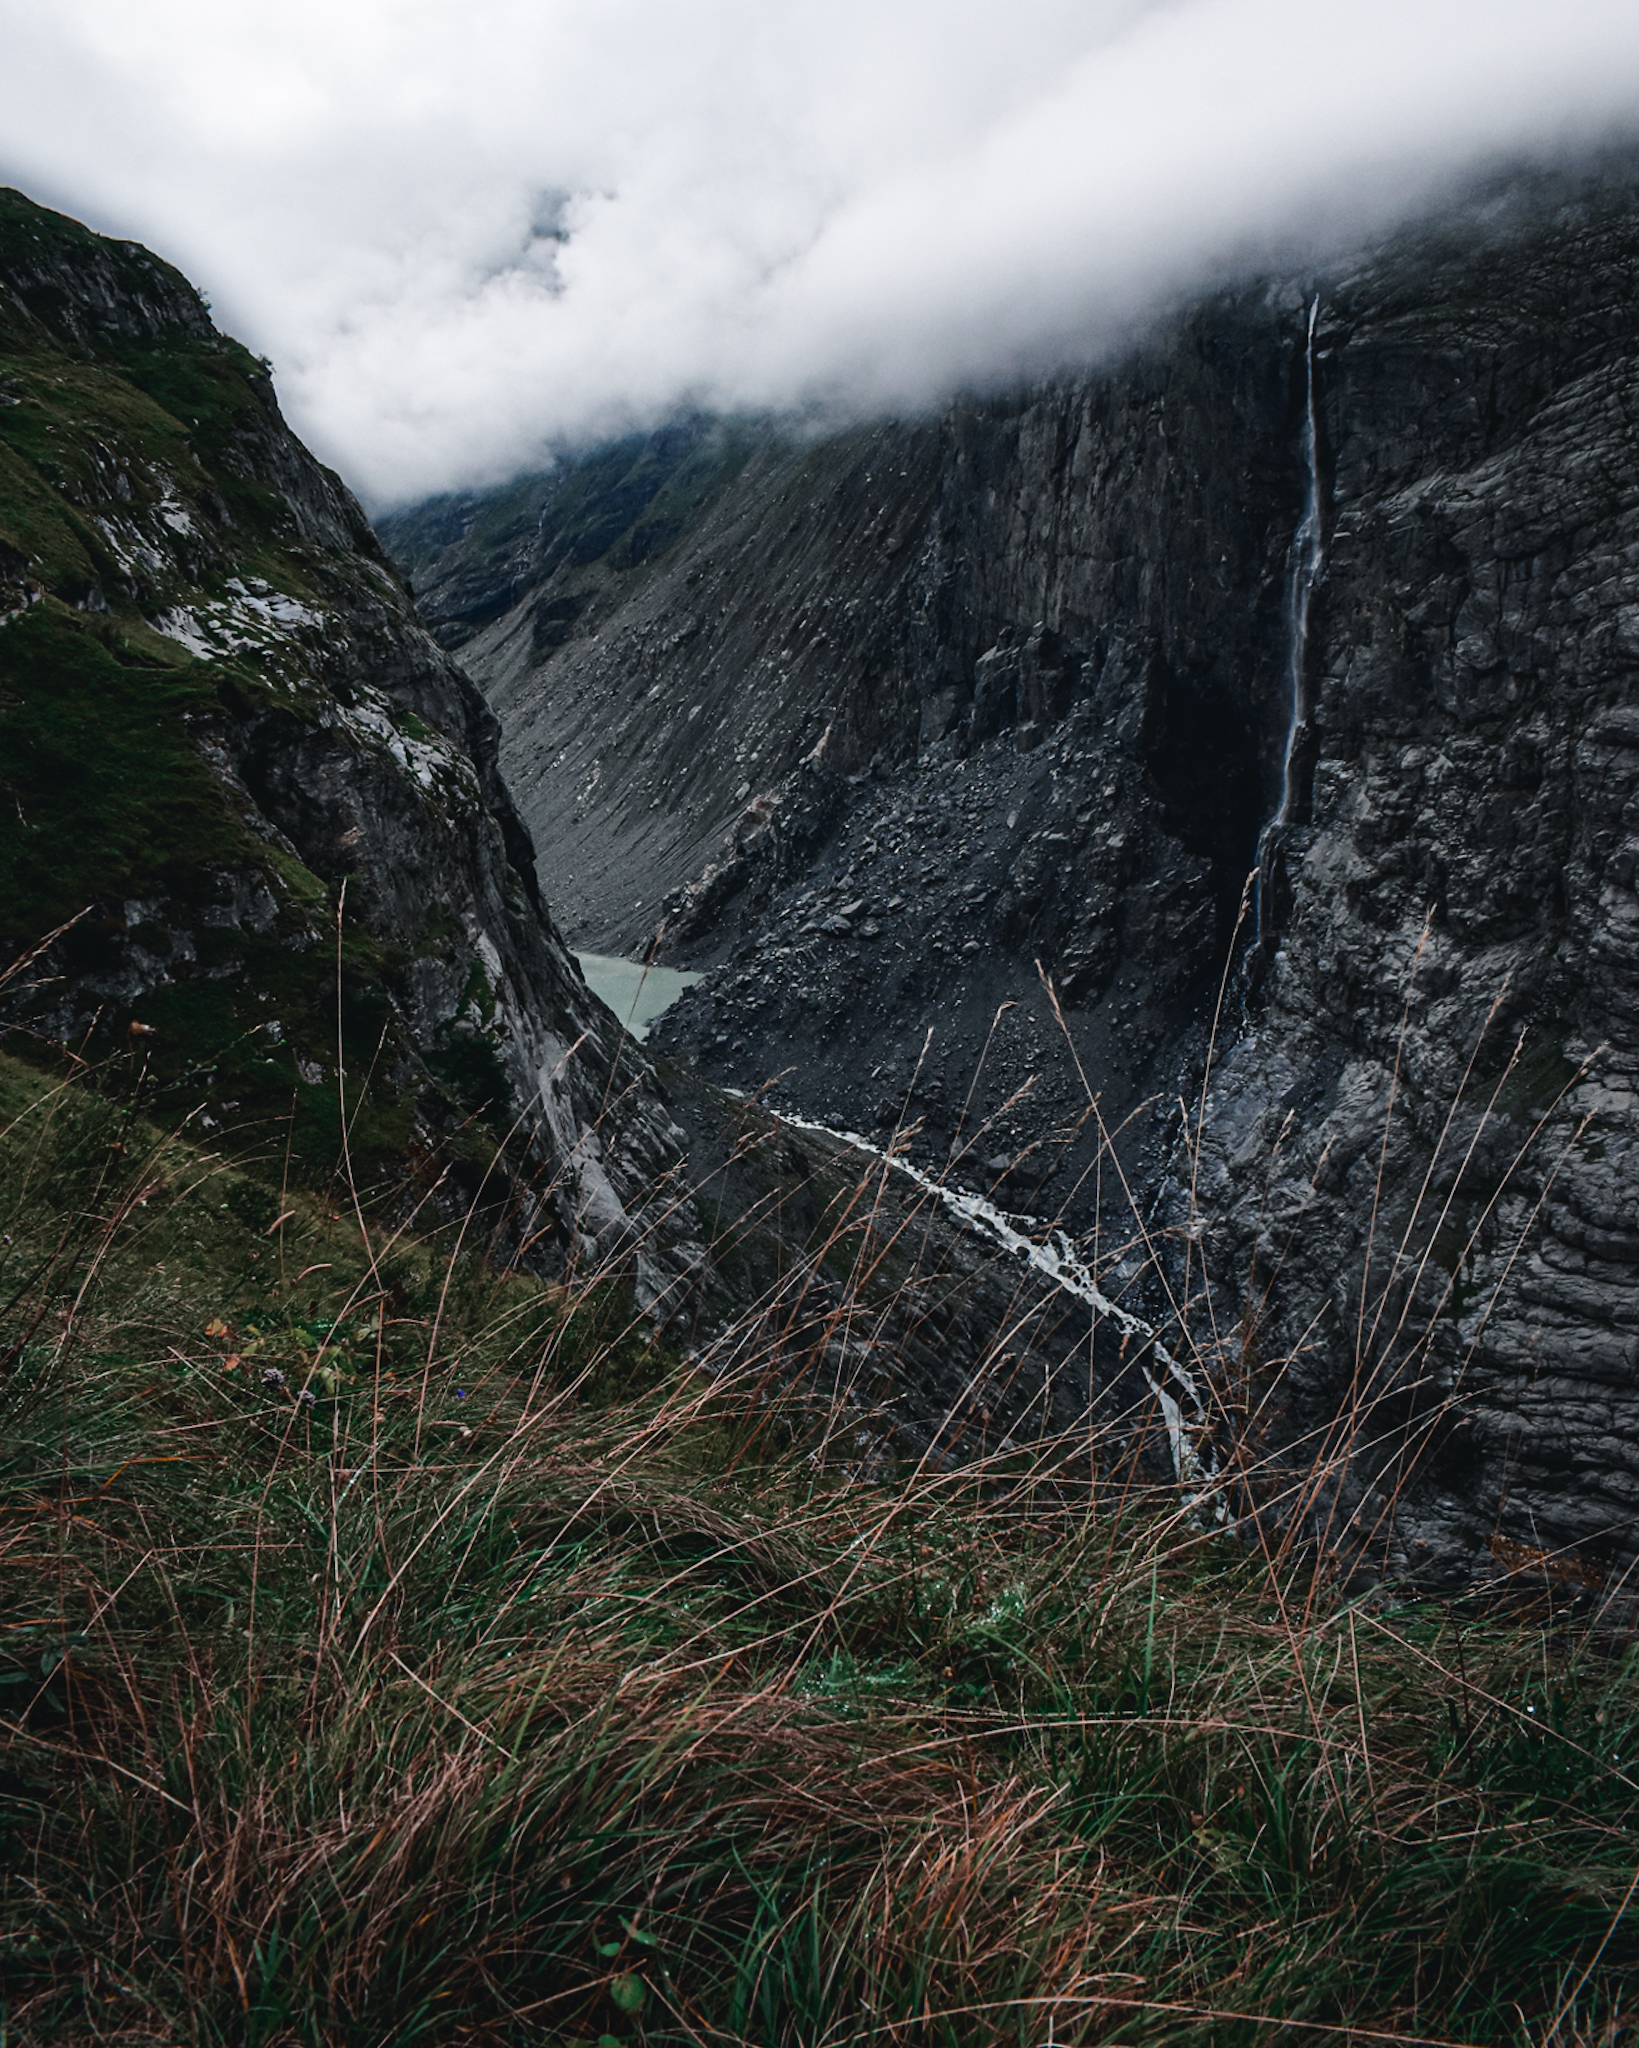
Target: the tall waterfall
(1305, 565)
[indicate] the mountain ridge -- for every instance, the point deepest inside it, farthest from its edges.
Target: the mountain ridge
(264, 808)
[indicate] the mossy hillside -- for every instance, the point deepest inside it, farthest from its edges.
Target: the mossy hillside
(148, 438)
(109, 797)
(112, 815)
(139, 530)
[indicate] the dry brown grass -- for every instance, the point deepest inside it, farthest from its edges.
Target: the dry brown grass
(532, 1683)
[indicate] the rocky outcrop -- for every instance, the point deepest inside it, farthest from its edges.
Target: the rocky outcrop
(905, 712)
(260, 808)
(1415, 1159)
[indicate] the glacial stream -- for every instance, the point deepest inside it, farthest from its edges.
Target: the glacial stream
(1305, 565)
(1188, 1437)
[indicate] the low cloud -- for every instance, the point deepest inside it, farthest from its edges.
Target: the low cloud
(468, 229)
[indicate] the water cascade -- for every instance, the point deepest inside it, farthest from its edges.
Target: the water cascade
(1054, 1256)
(1305, 566)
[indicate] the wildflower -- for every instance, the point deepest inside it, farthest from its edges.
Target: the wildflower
(308, 1398)
(460, 1393)
(273, 1377)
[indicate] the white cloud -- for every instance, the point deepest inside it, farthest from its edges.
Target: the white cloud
(766, 202)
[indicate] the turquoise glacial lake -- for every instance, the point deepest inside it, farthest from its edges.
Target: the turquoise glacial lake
(637, 994)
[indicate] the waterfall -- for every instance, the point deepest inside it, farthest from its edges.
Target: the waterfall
(1305, 564)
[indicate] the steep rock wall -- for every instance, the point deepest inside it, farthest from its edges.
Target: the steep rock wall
(901, 713)
(1417, 1157)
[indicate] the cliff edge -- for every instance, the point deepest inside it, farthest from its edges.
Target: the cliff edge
(252, 824)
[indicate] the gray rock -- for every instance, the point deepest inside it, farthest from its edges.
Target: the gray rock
(1399, 1223)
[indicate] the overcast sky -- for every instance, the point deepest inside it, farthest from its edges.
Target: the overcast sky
(464, 228)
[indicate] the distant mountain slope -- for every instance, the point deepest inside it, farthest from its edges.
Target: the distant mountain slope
(473, 556)
(220, 717)
(906, 711)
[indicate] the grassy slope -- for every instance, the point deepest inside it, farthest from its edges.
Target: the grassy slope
(516, 1685)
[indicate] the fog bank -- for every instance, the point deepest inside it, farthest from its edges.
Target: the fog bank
(466, 231)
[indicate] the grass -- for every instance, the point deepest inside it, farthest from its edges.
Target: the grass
(397, 1650)
(110, 797)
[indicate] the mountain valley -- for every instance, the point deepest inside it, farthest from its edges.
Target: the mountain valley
(1049, 1451)
(883, 729)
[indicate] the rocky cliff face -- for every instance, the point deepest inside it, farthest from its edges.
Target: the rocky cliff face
(257, 859)
(890, 718)
(258, 807)
(1417, 1154)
